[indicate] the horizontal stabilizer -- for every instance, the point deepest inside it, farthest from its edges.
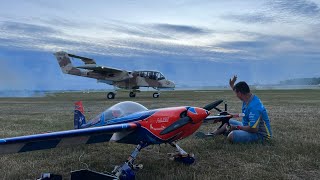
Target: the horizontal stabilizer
(84, 59)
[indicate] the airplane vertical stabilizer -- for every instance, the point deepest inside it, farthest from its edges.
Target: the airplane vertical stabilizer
(79, 118)
(64, 62)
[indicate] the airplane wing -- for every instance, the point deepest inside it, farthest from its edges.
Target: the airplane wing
(100, 69)
(63, 138)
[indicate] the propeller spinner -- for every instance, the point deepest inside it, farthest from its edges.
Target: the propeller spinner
(194, 115)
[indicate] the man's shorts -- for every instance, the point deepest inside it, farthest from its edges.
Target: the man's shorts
(240, 136)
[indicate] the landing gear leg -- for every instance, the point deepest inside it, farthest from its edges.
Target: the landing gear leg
(126, 171)
(181, 155)
(156, 94)
(132, 94)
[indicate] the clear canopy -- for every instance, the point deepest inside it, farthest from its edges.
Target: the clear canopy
(123, 109)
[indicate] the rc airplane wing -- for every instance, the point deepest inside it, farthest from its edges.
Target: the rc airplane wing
(63, 138)
(114, 124)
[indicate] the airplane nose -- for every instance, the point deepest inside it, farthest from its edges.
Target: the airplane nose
(197, 114)
(167, 84)
(171, 84)
(207, 112)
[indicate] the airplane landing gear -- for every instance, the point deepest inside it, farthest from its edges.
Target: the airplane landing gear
(156, 95)
(185, 159)
(132, 94)
(111, 95)
(126, 171)
(181, 155)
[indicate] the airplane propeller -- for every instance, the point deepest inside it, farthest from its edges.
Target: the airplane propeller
(185, 120)
(179, 123)
(213, 105)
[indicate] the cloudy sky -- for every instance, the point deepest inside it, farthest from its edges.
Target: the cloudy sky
(192, 42)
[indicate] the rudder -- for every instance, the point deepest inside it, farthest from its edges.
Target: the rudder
(79, 118)
(64, 61)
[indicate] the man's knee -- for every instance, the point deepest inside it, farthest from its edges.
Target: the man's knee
(230, 136)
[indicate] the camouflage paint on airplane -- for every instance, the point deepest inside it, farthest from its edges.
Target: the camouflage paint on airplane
(131, 80)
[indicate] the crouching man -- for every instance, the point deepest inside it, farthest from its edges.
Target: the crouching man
(255, 125)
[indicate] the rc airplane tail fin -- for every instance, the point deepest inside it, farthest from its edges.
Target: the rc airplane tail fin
(79, 118)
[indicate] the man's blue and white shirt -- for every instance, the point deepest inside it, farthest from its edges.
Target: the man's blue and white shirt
(256, 116)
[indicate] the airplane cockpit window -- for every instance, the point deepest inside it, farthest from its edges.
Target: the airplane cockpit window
(141, 74)
(155, 75)
(160, 76)
(123, 109)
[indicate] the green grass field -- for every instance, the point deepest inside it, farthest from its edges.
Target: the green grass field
(293, 152)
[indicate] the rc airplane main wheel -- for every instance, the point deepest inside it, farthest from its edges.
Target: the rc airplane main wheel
(185, 159)
(110, 95)
(132, 94)
(156, 95)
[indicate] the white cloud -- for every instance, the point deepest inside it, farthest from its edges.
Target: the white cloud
(198, 31)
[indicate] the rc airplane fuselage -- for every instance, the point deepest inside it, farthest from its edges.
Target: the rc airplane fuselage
(125, 122)
(130, 80)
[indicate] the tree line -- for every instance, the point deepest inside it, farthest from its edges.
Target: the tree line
(301, 81)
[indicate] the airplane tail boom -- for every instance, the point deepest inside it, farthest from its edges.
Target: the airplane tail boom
(79, 118)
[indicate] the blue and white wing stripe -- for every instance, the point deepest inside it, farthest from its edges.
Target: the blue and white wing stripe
(62, 138)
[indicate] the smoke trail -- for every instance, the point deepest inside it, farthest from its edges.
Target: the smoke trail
(11, 83)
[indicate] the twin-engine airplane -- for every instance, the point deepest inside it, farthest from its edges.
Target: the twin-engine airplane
(126, 122)
(130, 80)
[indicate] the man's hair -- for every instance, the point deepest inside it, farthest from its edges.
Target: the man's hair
(241, 87)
